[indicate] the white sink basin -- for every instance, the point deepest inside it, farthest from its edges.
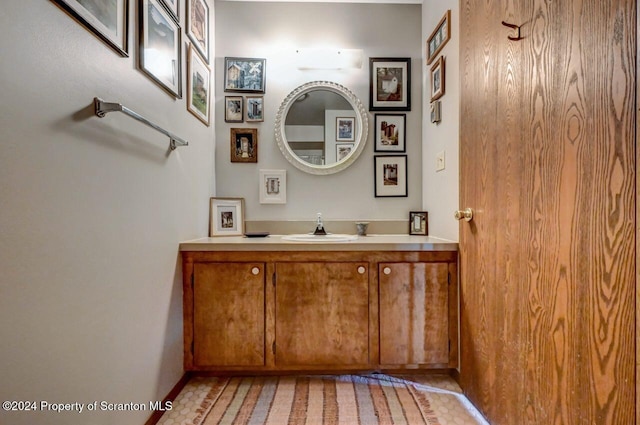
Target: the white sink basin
(331, 237)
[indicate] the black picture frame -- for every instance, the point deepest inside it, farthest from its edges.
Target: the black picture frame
(244, 75)
(163, 35)
(102, 26)
(390, 176)
(390, 133)
(389, 84)
(419, 223)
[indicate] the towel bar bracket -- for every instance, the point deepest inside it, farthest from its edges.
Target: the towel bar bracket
(102, 108)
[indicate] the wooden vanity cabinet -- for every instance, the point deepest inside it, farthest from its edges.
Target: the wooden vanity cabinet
(228, 314)
(414, 314)
(322, 314)
(320, 311)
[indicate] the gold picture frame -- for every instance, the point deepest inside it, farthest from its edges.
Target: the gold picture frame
(439, 37)
(244, 145)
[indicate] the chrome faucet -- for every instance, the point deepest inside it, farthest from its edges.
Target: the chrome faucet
(319, 226)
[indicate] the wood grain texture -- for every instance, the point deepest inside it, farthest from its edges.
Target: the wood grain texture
(229, 314)
(548, 162)
(270, 259)
(322, 313)
(414, 313)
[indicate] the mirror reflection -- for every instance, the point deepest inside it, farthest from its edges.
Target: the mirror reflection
(320, 127)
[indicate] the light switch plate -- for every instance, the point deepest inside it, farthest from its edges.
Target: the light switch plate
(440, 161)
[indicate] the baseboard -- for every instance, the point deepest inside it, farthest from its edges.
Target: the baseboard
(157, 414)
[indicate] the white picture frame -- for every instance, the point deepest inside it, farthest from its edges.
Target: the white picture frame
(273, 186)
(226, 217)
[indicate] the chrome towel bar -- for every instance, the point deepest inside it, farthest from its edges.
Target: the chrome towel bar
(103, 108)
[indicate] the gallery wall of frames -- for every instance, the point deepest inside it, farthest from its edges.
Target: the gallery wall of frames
(159, 43)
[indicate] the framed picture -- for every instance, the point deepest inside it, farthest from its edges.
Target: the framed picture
(198, 26)
(418, 223)
(435, 111)
(437, 79)
(390, 175)
(273, 186)
(244, 75)
(160, 41)
(390, 134)
(343, 150)
(198, 86)
(226, 217)
(107, 20)
(345, 129)
(244, 145)
(439, 37)
(255, 106)
(173, 6)
(233, 107)
(390, 84)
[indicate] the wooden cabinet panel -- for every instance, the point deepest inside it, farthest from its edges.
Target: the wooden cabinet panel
(322, 313)
(228, 314)
(414, 313)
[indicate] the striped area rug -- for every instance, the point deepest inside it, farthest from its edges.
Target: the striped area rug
(314, 400)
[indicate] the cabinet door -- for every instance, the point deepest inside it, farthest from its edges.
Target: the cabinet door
(322, 313)
(228, 314)
(414, 313)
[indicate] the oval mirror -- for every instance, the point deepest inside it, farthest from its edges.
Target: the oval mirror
(321, 127)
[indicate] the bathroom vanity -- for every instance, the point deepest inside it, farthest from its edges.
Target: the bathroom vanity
(383, 302)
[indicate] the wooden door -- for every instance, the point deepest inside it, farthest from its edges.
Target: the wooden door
(228, 323)
(414, 314)
(547, 164)
(322, 314)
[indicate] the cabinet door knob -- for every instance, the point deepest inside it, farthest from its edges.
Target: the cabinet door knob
(255, 271)
(386, 270)
(361, 270)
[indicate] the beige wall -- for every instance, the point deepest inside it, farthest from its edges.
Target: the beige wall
(92, 211)
(440, 188)
(273, 31)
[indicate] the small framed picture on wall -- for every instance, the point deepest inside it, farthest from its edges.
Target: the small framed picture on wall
(390, 84)
(437, 79)
(244, 145)
(390, 175)
(198, 81)
(273, 186)
(254, 108)
(233, 107)
(390, 132)
(198, 26)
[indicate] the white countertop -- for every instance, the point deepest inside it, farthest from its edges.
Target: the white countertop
(363, 243)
